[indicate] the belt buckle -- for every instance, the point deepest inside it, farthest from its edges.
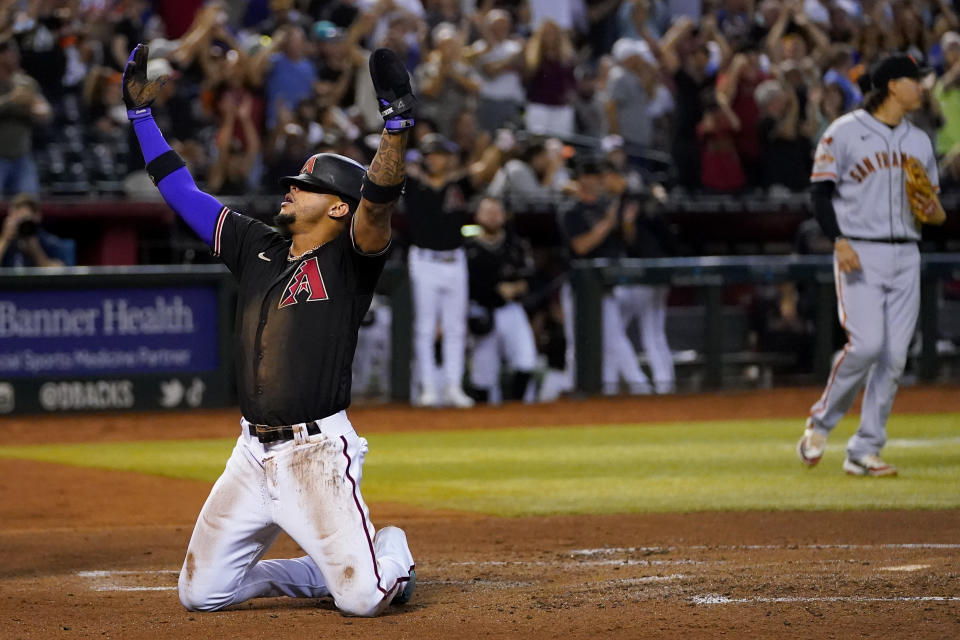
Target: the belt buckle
(267, 434)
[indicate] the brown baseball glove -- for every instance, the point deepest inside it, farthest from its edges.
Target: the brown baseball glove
(920, 191)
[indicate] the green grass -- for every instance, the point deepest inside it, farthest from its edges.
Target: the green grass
(722, 466)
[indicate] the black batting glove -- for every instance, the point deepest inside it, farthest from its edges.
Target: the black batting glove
(394, 95)
(138, 93)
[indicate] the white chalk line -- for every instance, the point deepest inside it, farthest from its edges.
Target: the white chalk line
(114, 587)
(903, 443)
(647, 579)
(107, 574)
(629, 562)
(102, 582)
(500, 584)
(758, 547)
(909, 443)
(906, 567)
(709, 598)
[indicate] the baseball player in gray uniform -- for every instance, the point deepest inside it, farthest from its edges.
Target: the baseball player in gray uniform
(861, 201)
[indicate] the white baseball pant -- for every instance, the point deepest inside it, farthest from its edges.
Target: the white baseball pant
(511, 339)
(878, 307)
(310, 488)
(648, 305)
(440, 291)
(619, 357)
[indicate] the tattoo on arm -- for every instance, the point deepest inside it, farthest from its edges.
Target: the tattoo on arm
(388, 167)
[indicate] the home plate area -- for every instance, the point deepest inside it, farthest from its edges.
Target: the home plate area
(701, 575)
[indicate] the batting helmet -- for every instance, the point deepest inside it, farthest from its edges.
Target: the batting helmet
(330, 173)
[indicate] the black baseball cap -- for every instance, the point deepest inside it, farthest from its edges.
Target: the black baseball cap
(591, 164)
(893, 67)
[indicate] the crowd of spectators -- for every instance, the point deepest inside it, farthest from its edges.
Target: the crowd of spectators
(719, 97)
(673, 97)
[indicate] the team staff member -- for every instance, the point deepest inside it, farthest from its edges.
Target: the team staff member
(647, 235)
(861, 203)
(592, 225)
(302, 293)
(436, 203)
(500, 263)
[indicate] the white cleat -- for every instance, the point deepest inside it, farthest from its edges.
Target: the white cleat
(455, 397)
(811, 446)
(427, 398)
(868, 465)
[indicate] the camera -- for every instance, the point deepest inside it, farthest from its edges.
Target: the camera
(27, 228)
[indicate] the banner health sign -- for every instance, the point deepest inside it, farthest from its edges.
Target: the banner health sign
(108, 331)
(90, 348)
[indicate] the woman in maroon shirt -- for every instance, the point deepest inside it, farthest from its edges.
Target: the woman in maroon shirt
(551, 84)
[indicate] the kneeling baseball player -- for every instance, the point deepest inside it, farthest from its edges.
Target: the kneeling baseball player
(297, 464)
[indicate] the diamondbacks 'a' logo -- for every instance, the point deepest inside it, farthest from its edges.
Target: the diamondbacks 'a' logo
(307, 278)
(308, 165)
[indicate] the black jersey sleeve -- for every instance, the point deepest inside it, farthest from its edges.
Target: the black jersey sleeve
(366, 267)
(821, 194)
(238, 239)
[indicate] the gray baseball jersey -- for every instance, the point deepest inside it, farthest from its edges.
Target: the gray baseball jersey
(865, 158)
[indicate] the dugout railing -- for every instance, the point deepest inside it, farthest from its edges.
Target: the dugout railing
(91, 338)
(709, 275)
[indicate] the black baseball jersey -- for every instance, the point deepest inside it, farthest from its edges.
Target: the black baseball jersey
(579, 217)
(435, 216)
(297, 320)
(507, 260)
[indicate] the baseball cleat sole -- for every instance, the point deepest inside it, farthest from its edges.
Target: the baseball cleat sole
(874, 469)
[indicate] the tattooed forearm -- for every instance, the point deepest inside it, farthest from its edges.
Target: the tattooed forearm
(387, 167)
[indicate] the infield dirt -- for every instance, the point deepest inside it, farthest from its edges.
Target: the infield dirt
(91, 553)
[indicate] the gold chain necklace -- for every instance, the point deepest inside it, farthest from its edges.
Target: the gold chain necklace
(292, 258)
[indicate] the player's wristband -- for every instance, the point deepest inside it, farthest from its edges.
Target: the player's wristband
(163, 165)
(398, 125)
(139, 114)
(380, 194)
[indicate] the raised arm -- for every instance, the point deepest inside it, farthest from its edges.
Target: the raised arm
(383, 183)
(167, 169)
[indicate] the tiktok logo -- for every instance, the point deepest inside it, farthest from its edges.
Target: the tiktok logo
(307, 278)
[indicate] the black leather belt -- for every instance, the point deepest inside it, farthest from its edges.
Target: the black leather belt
(439, 255)
(883, 240)
(267, 434)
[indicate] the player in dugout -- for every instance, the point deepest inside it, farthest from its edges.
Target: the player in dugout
(298, 462)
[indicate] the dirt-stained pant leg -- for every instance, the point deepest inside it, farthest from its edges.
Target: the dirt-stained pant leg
(233, 531)
(316, 486)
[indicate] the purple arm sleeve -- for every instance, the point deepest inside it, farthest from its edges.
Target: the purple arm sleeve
(198, 209)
